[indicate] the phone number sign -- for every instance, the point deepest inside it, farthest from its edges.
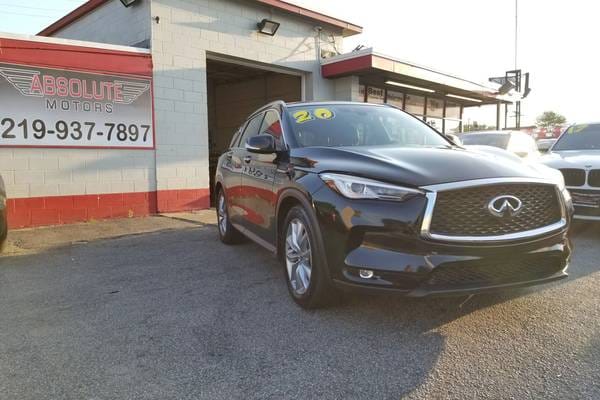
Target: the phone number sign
(43, 107)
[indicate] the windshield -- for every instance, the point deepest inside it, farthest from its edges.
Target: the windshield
(486, 139)
(579, 137)
(359, 125)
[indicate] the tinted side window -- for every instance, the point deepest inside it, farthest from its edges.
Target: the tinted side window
(252, 129)
(236, 136)
(272, 126)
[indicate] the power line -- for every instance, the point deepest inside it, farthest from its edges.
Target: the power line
(30, 8)
(26, 15)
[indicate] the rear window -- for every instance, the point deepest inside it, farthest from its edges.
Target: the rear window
(499, 140)
(339, 125)
(580, 137)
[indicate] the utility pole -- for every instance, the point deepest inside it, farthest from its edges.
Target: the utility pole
(518, 103)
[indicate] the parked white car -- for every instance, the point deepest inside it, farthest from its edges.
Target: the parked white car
(577, 155)
(516, 142)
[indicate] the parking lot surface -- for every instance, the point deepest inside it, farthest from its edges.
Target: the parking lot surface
(174, 314)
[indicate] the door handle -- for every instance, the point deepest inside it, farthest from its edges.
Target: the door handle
(247, 159)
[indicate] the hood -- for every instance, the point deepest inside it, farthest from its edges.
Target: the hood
(583, 159)
(413, 166)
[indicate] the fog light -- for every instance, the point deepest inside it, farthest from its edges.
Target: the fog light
(365, 273)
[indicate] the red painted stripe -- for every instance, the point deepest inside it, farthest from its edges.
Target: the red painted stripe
(314, 15)
(78, 58)
(348, 66)
(71, 17)
(57, 210)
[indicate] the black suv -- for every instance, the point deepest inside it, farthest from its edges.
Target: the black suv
(354, 195)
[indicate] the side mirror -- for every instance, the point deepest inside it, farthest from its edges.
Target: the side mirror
(263, 144)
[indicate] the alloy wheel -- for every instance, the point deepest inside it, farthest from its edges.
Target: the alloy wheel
(222, 214)
(298, 256)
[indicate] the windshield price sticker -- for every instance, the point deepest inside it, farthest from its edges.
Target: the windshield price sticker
(303, 116)
(43, 107)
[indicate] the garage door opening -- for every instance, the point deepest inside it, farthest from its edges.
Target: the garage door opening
(234, 92)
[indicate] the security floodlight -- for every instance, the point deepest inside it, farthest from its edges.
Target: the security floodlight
(268, 27)
(127, 3)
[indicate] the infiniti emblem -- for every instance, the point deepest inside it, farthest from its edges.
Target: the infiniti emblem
(505, 205)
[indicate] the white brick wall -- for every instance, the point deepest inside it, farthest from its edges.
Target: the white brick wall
(61, 172)
(187, 30)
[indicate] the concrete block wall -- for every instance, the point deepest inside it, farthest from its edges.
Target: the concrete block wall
(60, 185)
(347, 89)
(112, 23)
(189, 32)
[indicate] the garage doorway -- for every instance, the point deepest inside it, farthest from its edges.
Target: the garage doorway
(235, 90)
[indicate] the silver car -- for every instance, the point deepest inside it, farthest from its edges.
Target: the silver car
(518, 143)
(577, 155)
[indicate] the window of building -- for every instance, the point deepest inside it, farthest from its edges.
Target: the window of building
(415, 104)
(395, 98)
(435, 123)
(452, 126)
(361, 92)
(375, 95)
(452, 110)
(435, 108)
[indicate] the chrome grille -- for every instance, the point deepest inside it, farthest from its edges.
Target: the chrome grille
(594, 178)
(573, 176)
(586, 198)
(464, 212)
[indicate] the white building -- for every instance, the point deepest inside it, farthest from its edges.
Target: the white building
(211, 67)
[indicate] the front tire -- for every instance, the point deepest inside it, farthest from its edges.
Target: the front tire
(227, 232)
(304, 264)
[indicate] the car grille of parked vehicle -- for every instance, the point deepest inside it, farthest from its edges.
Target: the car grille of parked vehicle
(594, 178)
(573, 176)
(491, 272)
(464, 212)
(587, 202)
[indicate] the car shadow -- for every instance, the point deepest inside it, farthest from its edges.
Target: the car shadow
(186, 316)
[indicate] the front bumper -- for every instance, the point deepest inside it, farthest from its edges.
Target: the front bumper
(586, 203)
(384, 237)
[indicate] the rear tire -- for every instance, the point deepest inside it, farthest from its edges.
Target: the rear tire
(304, 261)
(227, 232)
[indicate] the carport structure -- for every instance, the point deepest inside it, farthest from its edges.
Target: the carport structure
(436, 97)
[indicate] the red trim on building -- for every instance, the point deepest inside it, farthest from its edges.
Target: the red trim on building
(78, 58)
(91, 5)
(57, 210)
(349, 66)
(349, 28)
(71, 17)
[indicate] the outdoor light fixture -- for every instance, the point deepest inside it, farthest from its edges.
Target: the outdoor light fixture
(455, 96)
(268, 27)
(127, 3)
(409, 86)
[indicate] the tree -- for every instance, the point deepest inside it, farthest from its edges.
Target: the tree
(550, 119)
(475, 126)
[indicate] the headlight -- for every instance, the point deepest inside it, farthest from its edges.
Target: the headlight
(360, 188)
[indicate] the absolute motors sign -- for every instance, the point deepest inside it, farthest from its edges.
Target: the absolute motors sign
(43, 107)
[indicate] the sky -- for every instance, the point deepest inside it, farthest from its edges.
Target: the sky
(473, 39)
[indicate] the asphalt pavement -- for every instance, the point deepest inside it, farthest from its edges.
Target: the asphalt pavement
(176, 315)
